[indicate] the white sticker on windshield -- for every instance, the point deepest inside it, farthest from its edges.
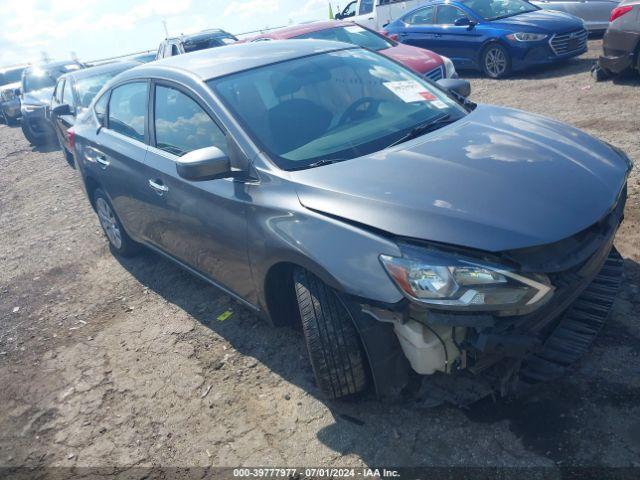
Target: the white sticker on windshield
(354, 29)
(439, 104)
(410, 91)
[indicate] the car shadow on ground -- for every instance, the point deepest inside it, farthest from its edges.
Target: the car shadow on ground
(558, 70)
(551, 421)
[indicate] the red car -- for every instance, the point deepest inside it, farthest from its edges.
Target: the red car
(427, 63)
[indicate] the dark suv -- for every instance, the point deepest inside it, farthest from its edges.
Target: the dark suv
(197, 41)
(403, 226)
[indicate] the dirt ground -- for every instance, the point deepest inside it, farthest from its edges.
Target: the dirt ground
(114, 363)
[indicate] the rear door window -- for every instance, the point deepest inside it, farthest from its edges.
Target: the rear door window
(127, 110)
(181, 125)
(424, 16)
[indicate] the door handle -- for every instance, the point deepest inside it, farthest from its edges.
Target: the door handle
(99, 157)
(102, 160)
(158, 187)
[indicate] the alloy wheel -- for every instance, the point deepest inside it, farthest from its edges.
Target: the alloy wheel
(495, 62)
(109, 223)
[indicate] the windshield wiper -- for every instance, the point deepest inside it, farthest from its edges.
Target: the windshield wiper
(423, 128)
(319, 163)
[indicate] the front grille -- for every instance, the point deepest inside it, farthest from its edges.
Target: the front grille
(435, 74)
(569, 42)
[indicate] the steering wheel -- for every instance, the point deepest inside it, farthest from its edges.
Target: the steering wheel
(354, 111)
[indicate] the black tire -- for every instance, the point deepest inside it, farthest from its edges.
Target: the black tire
(10, 121)
(120, 244)
(499, 52)
(29, 135)
(333, 343)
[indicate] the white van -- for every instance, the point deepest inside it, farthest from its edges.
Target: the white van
(376, 14)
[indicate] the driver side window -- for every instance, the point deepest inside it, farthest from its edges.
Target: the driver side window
(366, 6)
(448, 14)
(350, 10)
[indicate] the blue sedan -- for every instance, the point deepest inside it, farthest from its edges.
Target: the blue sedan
(495, 36)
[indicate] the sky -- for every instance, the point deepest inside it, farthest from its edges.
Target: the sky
(96, 29)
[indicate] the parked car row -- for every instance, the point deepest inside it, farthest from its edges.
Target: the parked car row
(377, 14)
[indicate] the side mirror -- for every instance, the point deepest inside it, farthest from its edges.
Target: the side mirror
(464, 22)
(456, 85)
(337, 16)
(209, 163)
(62, 109)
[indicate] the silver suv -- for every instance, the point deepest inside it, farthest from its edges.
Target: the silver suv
(191, 43)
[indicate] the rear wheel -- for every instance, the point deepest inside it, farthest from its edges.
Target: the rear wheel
(119, 242)
(333, 343)
(495, 61)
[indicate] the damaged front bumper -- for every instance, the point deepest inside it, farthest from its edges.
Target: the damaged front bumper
(470, 355)
(619, 48)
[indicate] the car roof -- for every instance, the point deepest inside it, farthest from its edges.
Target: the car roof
(99, 69)
(221, 61)
(203, 35)
(52, 65)
(295, 30)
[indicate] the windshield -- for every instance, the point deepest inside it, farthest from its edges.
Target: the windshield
(37, 79)
(193, 45)
(88, 87)
(11, 76)
(496, 9)
(354, 34)
(333, 106)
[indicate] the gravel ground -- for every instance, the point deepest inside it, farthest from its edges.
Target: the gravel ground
(114, 363)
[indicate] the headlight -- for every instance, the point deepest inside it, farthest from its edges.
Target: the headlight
(622, 154)
(449, 281)
(449, 68)
(526, 37)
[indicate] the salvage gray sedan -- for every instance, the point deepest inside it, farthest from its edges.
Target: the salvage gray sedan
(406, 229)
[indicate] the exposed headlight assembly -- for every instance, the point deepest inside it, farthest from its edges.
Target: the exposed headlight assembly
(526, 37)
(448, 281)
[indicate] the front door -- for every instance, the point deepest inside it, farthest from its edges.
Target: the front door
(202, 224)
(460, 43)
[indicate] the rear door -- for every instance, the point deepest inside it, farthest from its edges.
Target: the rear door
(116, 155)
(201, 224)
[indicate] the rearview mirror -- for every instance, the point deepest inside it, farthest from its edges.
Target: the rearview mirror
(209, 163)
(62, 109)
(456, 85)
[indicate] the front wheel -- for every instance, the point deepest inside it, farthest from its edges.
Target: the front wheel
(119, 242)
(496, 61)
(333, 343)
(30, 136)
